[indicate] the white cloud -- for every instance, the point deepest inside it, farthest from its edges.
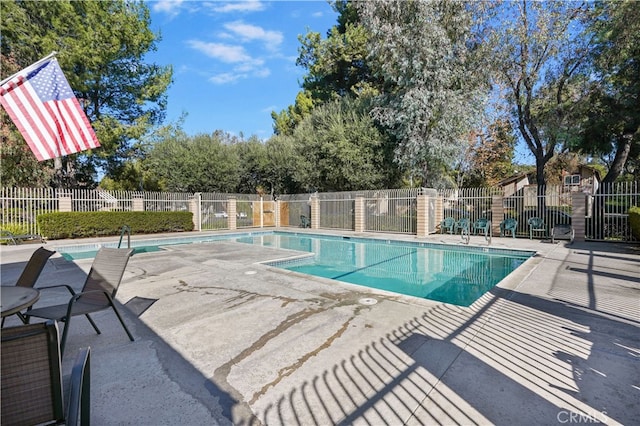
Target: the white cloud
(237, 6)
(248, 32)
(170, 7)
(224, 52)
(226, 77)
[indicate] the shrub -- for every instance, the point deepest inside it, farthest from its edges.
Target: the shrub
(634, 221)
(99, 224)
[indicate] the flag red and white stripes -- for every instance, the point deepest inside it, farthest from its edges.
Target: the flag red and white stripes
(43, 107)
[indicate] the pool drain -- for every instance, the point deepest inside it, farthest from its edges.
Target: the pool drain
(367, 301)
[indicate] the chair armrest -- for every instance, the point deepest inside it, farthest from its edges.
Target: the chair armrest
(80, 392)
(68, 287)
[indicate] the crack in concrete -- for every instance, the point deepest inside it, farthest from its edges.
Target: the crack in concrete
(290, 369)
(221, 374)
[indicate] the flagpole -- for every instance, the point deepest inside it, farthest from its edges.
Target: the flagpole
(30, 67)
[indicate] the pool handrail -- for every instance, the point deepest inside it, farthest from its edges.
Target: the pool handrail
(125, 228)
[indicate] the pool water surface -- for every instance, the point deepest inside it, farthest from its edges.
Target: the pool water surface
(444, 273)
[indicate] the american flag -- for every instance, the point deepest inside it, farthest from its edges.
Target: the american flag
(43, 107)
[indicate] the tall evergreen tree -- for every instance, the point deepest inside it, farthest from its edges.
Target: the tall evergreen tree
(101, 47)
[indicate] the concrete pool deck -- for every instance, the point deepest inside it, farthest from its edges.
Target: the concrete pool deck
(223, 339)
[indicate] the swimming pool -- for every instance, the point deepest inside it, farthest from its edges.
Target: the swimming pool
(446, 273)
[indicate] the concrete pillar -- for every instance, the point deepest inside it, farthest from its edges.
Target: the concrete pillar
(64, 202)
(359, 216)
(277, 213)
(232, 213)
(497, 213)
(422, 207)
(194, 207)
(137, 203)
(578, 213)
(315, 212)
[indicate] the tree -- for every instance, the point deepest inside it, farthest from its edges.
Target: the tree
(433, 88)
(101, 47)
(342, 149)
(489, 156)
(202, 163)
(285, 121)
(611, 114)
(337, 66)
(538, 51)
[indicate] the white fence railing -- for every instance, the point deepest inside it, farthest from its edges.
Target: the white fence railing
(395, 211)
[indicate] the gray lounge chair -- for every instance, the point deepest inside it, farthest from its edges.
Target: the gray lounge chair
(31, 272)
(32, 390)
(98, 292)
(16, 239)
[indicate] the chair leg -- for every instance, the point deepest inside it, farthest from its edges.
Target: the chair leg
(122, 322)
(93, 324)
(63, 341)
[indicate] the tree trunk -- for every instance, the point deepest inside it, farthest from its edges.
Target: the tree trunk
(623, 147)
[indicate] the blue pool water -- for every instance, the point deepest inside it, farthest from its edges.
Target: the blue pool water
(450, 274)
(445, 273)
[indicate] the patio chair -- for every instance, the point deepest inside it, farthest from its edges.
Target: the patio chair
(562, 232)
(482, 225)
(98, 292)
(16, 239)
(32, 271)
(536, 224)
(304, 222)
(32, 389)
(463, 226)
(447, 224)
(508, 225)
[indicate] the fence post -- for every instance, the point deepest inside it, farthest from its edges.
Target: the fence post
(578, 213)
(64, 202)
(137, 203)
(232, 213)
(422, 207)
(195, 207)
(315, 212)
(359, 219)
(276, 213)
(497, 213)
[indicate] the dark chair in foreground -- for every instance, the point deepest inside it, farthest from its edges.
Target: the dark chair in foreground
(32, 271)
(16, 239)
(448, 224)
(98, 292)
(463, 226)
(32, 391)
(482, 225)
(537, 224)
(508, 225)
(304, 222)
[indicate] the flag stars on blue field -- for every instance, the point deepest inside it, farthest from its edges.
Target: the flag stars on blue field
(49, 83)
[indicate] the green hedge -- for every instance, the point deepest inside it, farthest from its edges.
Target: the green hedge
(634, 221)
(99, 224)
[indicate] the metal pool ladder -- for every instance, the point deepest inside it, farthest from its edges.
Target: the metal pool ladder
(125, 228)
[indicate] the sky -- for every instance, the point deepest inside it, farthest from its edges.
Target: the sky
(234, 62)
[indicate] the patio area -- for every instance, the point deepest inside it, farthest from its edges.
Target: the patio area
(222, 339)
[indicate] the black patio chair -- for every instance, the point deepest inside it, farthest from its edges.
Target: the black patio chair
(32, 390)
(98, 292)
(31, 272)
